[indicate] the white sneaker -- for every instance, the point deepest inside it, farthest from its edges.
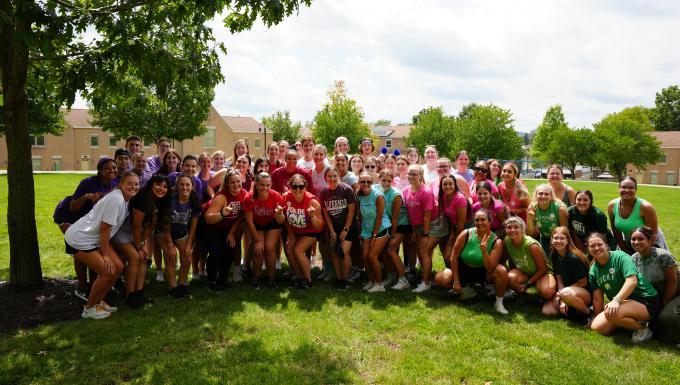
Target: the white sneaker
(500, 308)
(237, 274)
(468, 293)
(312, 260)
(641, 335)
(390, 280)
(95, 312)
(159, 276)
(278, 264)
(195, 277)
(368, 286)
(402, 284)
(377, 288)
(422, 287)
(106, 307)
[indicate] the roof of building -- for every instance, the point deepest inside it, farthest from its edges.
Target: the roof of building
(78, 118)
(244, 124)
(393, 132)
(668, 139)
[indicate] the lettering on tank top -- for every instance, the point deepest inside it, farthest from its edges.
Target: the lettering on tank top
(335, 207)
(297, 217)
(261, 211)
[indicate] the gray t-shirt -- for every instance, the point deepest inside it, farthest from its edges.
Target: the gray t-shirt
(335, 203)
(349, 179)
(652, 267)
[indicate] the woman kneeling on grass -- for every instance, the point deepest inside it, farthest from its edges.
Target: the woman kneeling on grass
(186, 209)
(659, 267)
(375, 225)
(88, 239)
(264, 219)
(634, 302)
(304, 226)
(528, 263)
(571, 272)
(150, 212)
(475, 259)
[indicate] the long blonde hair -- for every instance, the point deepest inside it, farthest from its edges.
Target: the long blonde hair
(546, 186)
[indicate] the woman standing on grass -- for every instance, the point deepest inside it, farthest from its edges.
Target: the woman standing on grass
(400, 229)
(513, 192)
(304, 226)
(659, 267)
(186, 209)
(338, 203)
(149, 215)
(629, 212)
(455, 206)
(634, 302)
(264, 226)
(486, 201)
(430, 166)
(562, 192)
(528, 264)
(88, 239)
(218, 160)
(223, 218)
(545, 213)
(571, 273)
(171, 163)
(494, 171)
(584, 218)
(429, 227)
(204, 175)
(274, 159)
(347, 177)
(356, 164)
(375, 226)
(476, 258)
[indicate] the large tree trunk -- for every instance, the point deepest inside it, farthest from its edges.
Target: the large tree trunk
(24, 254)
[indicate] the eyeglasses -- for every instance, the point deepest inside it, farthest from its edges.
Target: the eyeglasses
(365, 182)
(480, 169)
(297, 187)
(371, 167)
(444, 167)
(413, 174)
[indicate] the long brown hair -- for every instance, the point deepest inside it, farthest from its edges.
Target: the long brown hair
(571, 247)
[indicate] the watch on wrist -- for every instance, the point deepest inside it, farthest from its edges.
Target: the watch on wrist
(345, 229)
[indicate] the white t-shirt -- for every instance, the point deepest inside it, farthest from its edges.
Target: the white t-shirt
(429, 175)
(310, 165)
(111, 209)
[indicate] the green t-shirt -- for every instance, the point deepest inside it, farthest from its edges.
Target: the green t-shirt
(521, 256)
(548, 219)
(471, 254)
(610, 277)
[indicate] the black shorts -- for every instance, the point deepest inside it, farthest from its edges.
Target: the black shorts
(178, 233)
(352, 234)
(404, 229)
(382, 234)
(653, 304)
(311, 235)
(72, 250)
(273, 225)
(468, 274)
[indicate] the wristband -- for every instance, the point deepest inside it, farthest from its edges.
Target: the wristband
(345, 229)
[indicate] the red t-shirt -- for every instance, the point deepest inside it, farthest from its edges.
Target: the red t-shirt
(236, 203)
(299, 220)
(263, 211)
(280, 178)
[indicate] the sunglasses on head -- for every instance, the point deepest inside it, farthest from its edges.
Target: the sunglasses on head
(297, 187)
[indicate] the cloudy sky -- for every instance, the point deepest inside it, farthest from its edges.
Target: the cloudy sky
(398, 56)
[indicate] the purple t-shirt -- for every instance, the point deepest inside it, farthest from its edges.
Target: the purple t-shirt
(154, 164)
(335, 202)
(198, 184)
(418, 202)
(182, 213)
(89, 185)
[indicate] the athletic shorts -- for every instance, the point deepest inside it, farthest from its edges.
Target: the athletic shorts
(439, 228)
(311, 235)
(469, 274)
(653, 304)
(404, 229)
(381, 234)
(72, 250)
(273, 225)
(178, 233)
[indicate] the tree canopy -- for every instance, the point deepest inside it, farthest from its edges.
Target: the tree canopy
(341, 116)
(432, 126)
(667, 116)
(486, 131)
(109, 49)
(553, 121)
(282, 127)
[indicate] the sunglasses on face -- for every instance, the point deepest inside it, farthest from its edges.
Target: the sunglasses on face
(480, 169)
(371, 167)
(365, 182)
(297, 187)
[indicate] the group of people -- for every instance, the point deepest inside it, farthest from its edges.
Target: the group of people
(379, 216)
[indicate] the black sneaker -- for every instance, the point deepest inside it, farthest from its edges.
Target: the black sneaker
(175, 292)
(215, 287)
(146, 298)
(255, 283)
(294, 282)
(271, 283)
(304, 285)
(82, 293)
(134, 300)
(119, 287)
(184, 290)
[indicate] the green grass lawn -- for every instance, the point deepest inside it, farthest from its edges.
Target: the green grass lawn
(321, 336)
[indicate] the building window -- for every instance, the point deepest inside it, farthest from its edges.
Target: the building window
(113, 141)
(654, 177)
(257, 143)
(37, 164)
(37, 140)
(56, 164)
(94, 140)
(670, 178)
(388, 143)
(209, 138)
(662, 161)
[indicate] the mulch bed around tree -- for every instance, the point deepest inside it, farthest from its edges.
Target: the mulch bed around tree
(54, 301)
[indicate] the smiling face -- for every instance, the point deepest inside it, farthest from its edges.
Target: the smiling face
(190, 167)
(171, 160)
(342, 146)
(366, 147)
(402, 166)
(129, 186)
(597, 247)
(184, 186)
(218, 161)
(140, 163)
(109, 171)
(390, 164)
(162, 148)
(159, 189)
(122, 161)
(205, 162)
(273, 151)
(482, 222)
(297, 186)
(559, 241)
(370, 166)
(341, 163)
(283, 148)
(483, 195)
(514, 230)
(319, 156)
(640, 242)
(357, 164)
(543, 196)
(413, 157)
(264, 185)
(365, 183)
(291, 161)
(627, 189)
(308, 147)
(462, 162)
(263, 166)
(134, 146)
(415, 174)
(448, 185)
(386, 182)
(481, 172)
(494, 168)
(234, 184)
(430, 155)
(555, 175)
(583, 202)
(243, 164)
(508, 173)
(443, 167)
(240, 149)
(332, 177)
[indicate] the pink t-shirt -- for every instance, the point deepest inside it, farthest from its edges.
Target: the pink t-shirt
(451, 209)
(399, 184)
(513, 202)
(418, 202)
(496, 210)
(473, 192)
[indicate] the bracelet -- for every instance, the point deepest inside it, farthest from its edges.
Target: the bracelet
(345, 229)
(617, 299)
